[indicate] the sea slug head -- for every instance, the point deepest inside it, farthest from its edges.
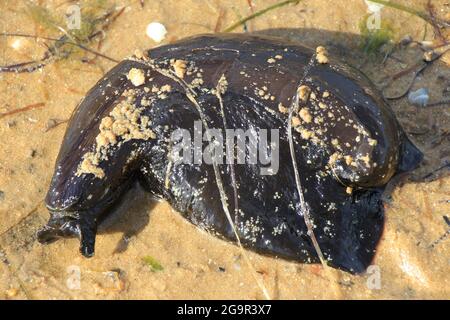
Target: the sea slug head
(97, 162)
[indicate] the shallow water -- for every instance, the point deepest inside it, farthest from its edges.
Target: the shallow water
(411, 261)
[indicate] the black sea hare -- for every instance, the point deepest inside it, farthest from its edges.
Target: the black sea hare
(347, 144)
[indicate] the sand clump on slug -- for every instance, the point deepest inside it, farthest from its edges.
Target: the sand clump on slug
(136, 76)
(123, 123)
(282, 108)
(295, 121)
(321, 55)
(90, 165)
(179, 66)
(303, 93)
(305, 115)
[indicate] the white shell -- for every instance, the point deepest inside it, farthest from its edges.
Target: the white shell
(156, 31)
(419, 97)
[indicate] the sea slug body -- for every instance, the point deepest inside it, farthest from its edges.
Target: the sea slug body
(346, 141)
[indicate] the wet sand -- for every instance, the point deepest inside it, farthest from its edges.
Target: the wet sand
(412, 260)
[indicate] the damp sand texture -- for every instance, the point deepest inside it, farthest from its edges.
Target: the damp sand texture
(148, 251)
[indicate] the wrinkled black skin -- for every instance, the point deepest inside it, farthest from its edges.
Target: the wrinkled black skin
(73, 213)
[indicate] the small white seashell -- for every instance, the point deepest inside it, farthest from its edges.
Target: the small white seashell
(156, 31)
(419, 97)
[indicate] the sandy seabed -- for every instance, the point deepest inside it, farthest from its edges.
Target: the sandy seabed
(412, 260)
